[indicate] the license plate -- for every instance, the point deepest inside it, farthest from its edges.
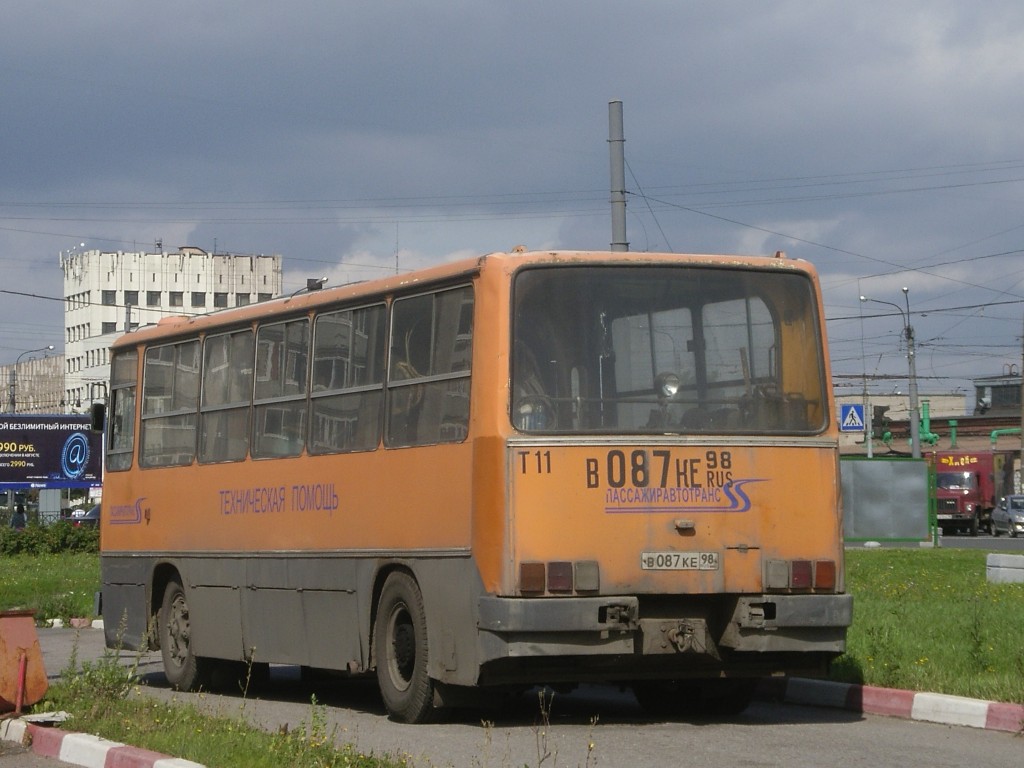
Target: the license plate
(945, 517)
(679, 561)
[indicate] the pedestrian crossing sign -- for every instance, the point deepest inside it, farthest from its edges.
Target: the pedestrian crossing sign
(851, 418)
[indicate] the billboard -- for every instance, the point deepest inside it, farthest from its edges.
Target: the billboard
(49, 452)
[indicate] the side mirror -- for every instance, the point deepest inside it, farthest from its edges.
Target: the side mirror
(97, 417)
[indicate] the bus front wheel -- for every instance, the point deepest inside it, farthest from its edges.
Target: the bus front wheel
(184, 670)
(400, 639)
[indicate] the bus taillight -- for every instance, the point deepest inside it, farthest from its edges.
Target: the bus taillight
(802, 573)
(825, 575)
(786, 575)
(559, 577)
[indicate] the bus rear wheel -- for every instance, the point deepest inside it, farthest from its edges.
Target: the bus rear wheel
(400, 640)
(184, 670)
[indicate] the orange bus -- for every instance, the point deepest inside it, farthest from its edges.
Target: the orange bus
(515, 470)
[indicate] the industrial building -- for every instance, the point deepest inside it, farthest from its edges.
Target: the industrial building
(109, 292)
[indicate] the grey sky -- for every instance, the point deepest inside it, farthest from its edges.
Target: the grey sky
(881, 141)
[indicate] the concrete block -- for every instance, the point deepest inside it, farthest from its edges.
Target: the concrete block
(1004, 569)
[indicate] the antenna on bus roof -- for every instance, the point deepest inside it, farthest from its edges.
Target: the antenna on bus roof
(312, 284)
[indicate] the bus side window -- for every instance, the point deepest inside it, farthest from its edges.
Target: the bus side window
(429, 372)
(121, 416)
(282, 365)
(170, 395)
(227, 396)
(347, 381)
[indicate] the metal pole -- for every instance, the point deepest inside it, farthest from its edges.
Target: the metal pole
(908, 333)
(616, 142)
(915, 423)
(868, 415)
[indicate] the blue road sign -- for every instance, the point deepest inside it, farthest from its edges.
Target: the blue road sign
(851, 418)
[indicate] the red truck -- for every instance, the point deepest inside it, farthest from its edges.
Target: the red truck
(968, 485)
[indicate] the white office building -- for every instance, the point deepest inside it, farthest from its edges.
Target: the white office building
(106, 293)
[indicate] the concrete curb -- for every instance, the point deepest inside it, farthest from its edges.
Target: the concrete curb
(84, 749)
(910, 705)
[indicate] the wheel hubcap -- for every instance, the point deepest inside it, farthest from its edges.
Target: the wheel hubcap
(178, 630)
(402, 647)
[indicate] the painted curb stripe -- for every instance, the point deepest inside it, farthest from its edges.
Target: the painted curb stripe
(1005, 717)
(85, 749)
(89, 751)
(884, 701)
(893, 702)
(950, 710)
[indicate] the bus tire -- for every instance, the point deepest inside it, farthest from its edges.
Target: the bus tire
(184, 670)
(400, 642)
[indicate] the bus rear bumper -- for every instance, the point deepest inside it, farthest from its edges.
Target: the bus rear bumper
(516, 627)
(769, 623)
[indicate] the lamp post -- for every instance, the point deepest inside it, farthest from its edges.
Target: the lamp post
(14, 374)
(908, 332)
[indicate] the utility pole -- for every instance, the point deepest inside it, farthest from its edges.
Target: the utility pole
(908, 333)
(915, 416)
(616, 142)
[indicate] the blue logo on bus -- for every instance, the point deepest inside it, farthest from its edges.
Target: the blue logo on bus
(74, 458)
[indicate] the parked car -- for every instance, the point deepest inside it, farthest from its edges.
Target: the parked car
(1008, 516)
(86, 519)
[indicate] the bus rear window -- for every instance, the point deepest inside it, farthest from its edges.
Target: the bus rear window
(662, 350)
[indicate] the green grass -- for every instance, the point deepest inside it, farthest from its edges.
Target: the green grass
(55, 586)
(928, 620)
(100, 696)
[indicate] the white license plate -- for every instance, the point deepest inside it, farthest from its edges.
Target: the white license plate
(679, 561)
(945, 517)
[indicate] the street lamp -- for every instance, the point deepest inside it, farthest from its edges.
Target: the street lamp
(908, 331)
(14, 374)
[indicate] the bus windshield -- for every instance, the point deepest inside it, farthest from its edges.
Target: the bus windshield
(666, 350)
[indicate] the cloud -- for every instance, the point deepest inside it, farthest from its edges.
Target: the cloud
(880, 141)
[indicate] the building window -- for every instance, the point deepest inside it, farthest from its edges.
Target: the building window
(220, 300)
(177, 299)
(152, 298)
(109, 298)
(131, 297)
(264, 297)
(241, 299)
(198, 299)
(109, 327)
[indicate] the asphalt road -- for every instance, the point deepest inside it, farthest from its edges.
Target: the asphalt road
(767, 734)
(983, 541)
(17, 756)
